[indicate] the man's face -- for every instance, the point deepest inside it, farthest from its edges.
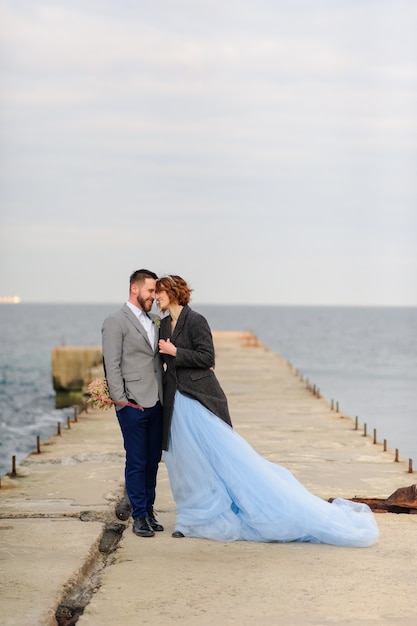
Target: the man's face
(144, 294)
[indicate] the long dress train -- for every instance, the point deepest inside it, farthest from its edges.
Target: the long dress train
(224, 490)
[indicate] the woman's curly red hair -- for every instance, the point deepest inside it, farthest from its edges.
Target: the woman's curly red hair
(177, 289)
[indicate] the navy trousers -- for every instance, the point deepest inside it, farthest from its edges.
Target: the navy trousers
(142, 436)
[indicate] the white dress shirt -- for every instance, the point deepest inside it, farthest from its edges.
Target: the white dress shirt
(146, 322)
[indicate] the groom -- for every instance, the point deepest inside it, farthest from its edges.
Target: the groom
(133, 371)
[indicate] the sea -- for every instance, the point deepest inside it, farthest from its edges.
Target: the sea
(363, 358)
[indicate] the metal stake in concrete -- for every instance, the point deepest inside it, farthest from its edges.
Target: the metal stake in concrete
(410, 466)
(38, 444)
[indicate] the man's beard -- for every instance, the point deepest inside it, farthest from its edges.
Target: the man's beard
(145, 305)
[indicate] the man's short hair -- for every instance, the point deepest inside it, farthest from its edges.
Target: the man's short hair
(139, 276)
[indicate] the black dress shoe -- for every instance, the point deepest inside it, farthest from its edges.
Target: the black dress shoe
(177, 534)
(153, 522)
(142, 528)
(123, 509)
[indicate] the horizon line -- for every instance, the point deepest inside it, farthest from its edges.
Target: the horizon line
(245, 304)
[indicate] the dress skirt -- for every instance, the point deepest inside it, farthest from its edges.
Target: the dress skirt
(224, 490)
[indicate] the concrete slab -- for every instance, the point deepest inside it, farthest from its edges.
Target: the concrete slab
(46, 549)
(198, 582)
(39, 558)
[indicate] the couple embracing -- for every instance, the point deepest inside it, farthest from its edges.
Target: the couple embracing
(161, 377)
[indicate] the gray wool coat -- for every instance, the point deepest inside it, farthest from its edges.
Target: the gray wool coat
(133, 368)
(189, 371)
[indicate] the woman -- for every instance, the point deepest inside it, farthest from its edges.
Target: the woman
(222, 488)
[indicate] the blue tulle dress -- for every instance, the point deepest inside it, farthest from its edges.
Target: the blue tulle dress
(224, 490)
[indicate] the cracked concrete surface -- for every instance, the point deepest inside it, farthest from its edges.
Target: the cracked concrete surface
(46, 548)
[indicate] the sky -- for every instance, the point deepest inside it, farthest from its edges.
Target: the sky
(265, 150)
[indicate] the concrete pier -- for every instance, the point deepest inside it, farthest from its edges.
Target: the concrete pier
(73, 368)
(66, 559)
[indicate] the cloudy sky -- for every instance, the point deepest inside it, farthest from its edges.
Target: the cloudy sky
(266, 150)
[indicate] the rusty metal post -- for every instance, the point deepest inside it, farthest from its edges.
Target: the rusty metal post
(68, 422)
(38, 444)
(396, 455)
(356, 422)
(13, 466)
(374, 435)
(75, 413)
(364, 430)
(385, 445)
(410, 466)
(58, 429)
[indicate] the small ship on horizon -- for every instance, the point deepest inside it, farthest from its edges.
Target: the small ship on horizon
(10, 299)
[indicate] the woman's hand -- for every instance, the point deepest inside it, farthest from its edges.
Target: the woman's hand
(166, 347)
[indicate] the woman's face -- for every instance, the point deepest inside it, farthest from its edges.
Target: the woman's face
(162, 300)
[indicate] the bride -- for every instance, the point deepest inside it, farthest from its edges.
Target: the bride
(223, 489)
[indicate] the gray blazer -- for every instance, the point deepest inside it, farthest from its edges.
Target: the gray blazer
(133, 368)
(189, 371)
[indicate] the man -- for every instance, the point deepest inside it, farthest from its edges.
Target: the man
(133, 371)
